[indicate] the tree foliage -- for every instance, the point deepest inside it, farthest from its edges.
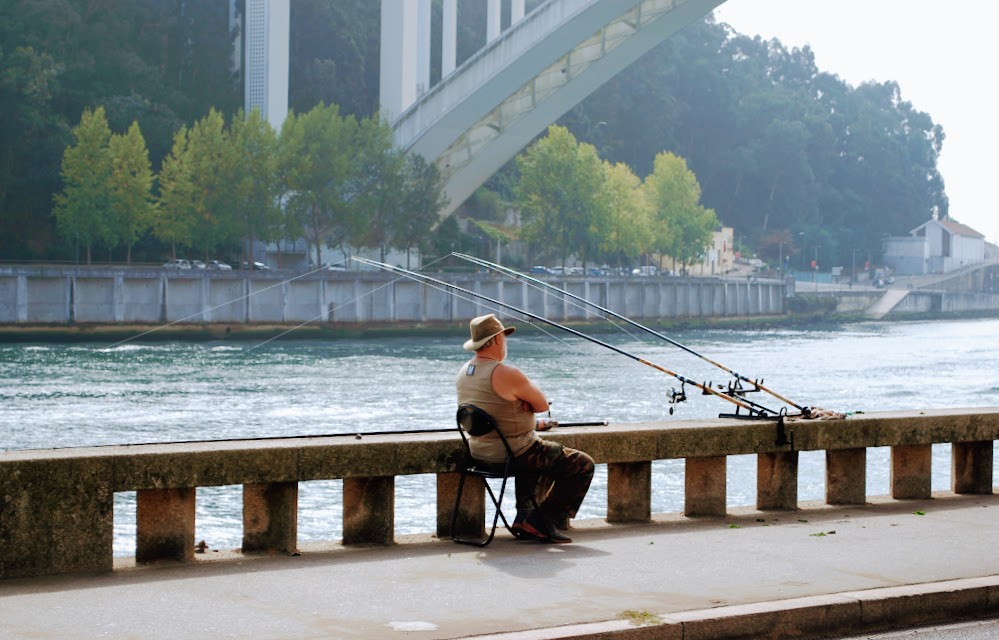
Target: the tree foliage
(625, 232)
(130, 205)
(777, 144)
(82, 208)
(561, 196)
(681, 227)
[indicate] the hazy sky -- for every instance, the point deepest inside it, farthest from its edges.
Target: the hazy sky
(941, 53)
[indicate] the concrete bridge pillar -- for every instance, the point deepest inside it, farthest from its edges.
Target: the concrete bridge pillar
(493, 18)
(449, 37)
(270, 517)
(471, 516)
(516, 11)
(422, 47)
(777, 481)
(164, 521)
(399, 54)
(705, 481)
(629, 492)
(910, 471)
(369, 510)
(846, 476)
(972, 467)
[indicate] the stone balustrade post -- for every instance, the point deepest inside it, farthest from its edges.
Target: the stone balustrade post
(846, 476)
(629, 492)
(777, 481)
(705, 486)
(971, 467)
(270, 517)
(369, 510)
(910, 471)
(56, 517)
(164, 524)
(470, 519)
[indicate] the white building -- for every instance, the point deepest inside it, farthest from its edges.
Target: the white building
(936, 246)
(720, 256)
(265, 40)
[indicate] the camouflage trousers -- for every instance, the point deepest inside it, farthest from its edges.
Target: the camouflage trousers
(557, 476)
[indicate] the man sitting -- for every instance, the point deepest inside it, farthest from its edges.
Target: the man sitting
(512, 399)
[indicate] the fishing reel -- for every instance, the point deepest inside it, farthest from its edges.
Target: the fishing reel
(676, 397)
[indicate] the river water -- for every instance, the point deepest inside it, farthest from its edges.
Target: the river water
(59, 395)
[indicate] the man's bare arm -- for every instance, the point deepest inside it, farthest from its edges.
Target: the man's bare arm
(510, 383)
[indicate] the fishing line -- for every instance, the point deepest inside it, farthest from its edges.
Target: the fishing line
(526, 318)
(548, 289)
(234, 300)
(526, 278)
(754, 409)
(336, 308)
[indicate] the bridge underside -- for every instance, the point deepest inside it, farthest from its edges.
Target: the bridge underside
(495, 104)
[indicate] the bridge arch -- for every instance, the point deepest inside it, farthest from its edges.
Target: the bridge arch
(479, 117)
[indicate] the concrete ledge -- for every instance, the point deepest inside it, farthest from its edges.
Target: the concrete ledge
(810, 617)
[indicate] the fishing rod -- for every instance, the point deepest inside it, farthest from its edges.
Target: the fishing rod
(757, 383)
(346, 434)
(755, 410)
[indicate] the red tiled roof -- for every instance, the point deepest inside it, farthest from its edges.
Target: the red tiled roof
(960, 229)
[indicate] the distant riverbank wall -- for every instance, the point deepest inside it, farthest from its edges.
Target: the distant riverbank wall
(915, 302)
(81, 295)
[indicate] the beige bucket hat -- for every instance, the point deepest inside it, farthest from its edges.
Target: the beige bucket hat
(483, 328)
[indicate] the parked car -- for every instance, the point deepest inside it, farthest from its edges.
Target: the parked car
(177, 263)
(218, 266)
(644, 271)
(197, 264)
(257, 266)
(539, 270)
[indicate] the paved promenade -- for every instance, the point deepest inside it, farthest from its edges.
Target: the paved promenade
(752, 574)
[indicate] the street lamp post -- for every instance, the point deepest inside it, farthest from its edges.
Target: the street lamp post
(815, 268)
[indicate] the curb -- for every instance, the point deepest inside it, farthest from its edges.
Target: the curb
(881, 609)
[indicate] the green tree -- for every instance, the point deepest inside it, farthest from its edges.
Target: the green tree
(33, 136)
(681, 227)
(317, 162)
(82, 207)
(211, 160)
(424, 197)
(254, 186)
(173, 222)
(378, 187)
(624, 233)
(561, 195)
(130, 205)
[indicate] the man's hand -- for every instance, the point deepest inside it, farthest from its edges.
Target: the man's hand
(544, 424)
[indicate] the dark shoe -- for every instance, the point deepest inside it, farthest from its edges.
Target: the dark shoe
(541, 523)
(524, 529)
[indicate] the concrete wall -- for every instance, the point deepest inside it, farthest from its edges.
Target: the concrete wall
(859, 301)
(153, 296)
(56, 504)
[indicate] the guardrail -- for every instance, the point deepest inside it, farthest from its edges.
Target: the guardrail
(56, 506)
